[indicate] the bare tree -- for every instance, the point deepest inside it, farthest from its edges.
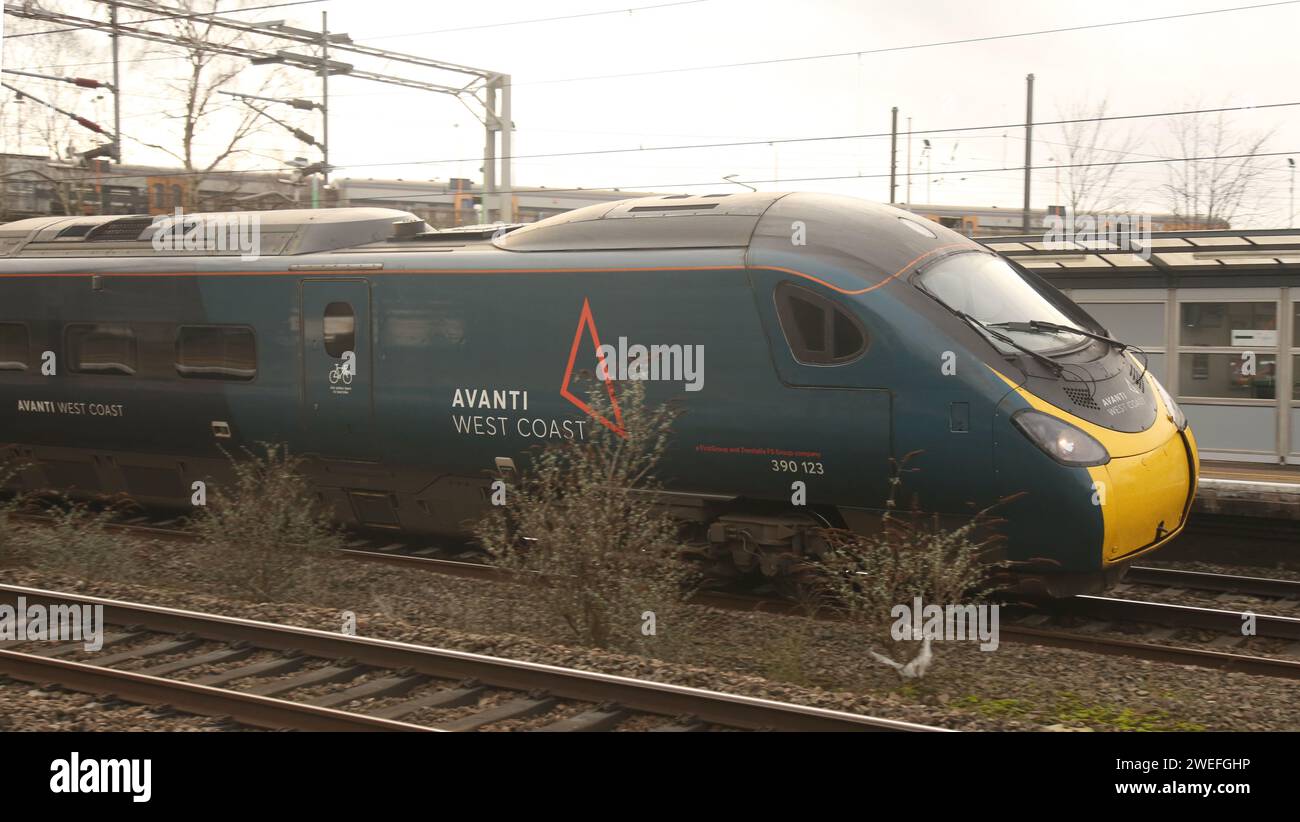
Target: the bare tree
(1202, 191)
(1094, 183)
(29, 124)
(213, 129)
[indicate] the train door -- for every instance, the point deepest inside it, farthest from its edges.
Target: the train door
(819, 349)
(337, 364)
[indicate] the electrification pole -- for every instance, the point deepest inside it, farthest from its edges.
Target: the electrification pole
(893, 153)
(909, 160)
(495, 116)
(325, 99)
(1029, 148)
(1291, 211)
(117, 87)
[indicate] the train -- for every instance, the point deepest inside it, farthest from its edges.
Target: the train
(807, 338)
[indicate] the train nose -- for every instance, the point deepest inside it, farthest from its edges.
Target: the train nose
(1147, 497)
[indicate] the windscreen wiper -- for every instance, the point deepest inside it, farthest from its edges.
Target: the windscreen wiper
(1055, 367)
(1042, 325)
(1030, 326)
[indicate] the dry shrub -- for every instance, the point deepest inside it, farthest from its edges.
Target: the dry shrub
(581, 527)
(266, 536)
(8, 506)
(78, 539)
(865, 576)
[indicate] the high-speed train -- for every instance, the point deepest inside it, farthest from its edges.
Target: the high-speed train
(807, 338)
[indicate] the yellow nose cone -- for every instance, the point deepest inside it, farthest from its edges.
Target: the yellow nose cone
(1147, 497)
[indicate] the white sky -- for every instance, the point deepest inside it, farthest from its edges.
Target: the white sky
(1243, 57)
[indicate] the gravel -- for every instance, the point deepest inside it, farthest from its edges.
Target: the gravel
(1016, 687)
(24, 707)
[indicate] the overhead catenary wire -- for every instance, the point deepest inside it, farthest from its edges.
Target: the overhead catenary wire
(881, 175)
(837, 137)
(761, 142)
(832, 137)
(912, 47)
(534, 20)
(646, 187)
(810, 57)
(180, 16)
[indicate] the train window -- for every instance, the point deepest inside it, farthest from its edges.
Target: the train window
(810, 323)
(818, 331)
(848, 339)
(992, 291)
(13, 347)
(100, 348)
(216, 352)
(340, 329)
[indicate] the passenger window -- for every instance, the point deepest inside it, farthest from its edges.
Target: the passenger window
(98, 348)
(13, 347)
(818, 331)
(340, 331)
(215, 352)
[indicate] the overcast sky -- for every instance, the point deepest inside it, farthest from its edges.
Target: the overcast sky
(1244, 57)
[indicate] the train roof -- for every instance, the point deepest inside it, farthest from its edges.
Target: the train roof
(672, 221)
(294, 231)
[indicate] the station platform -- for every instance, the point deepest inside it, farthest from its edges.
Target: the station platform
(1249, 489)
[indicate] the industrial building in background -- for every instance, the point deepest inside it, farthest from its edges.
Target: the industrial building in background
(35, 186)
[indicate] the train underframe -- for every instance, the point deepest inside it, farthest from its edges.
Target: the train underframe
(731, 539)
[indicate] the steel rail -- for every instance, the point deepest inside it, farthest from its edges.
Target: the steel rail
(247, 709)
(1281, 627)
(730, 710)
(1182, 616)
(1155, 652)
(1200, 657)
(1205, 581)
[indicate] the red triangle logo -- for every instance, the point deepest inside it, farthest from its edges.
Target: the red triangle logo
(586, 320)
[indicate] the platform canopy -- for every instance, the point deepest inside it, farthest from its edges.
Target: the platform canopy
(1276, 250)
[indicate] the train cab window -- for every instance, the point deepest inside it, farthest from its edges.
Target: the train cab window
(340, 329)
(13, 347)
(216, 352)
(818, 331)
(102, 348)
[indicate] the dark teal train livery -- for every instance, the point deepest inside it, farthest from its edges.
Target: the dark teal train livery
(809, 338)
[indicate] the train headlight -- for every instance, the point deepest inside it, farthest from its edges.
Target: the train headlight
(1058, 439)
(1176, 415)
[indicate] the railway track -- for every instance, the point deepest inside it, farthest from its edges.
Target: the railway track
(1161, 620)
(1028, 627)
(1218, 583)
(286, 677)
(1218, 620)
(1154, 622)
